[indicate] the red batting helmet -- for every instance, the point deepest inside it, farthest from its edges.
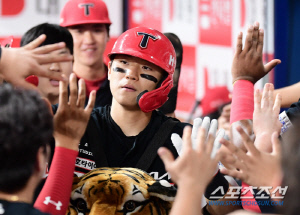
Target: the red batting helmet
(150, 45)
(77, 12)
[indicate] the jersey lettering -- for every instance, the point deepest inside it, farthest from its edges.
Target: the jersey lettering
(145, 39)
(155, 175)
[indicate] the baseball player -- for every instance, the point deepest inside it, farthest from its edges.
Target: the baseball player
(88, 22)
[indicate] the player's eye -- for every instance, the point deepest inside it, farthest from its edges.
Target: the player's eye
(149, 77)
(147, 68)
(123, 62)
(119, 69)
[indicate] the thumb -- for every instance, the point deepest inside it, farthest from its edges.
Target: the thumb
(166, 157)
(270, 65)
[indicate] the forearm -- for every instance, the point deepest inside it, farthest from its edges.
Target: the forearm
(289, 94)
(188, 202)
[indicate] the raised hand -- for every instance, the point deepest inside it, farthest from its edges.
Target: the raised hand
(71, 118)
(256, 168)
(248, 61)
(209, 126)
(198, 162)
(18, 63)
(265, 117)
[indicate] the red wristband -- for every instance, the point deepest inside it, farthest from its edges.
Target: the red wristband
(242, 105)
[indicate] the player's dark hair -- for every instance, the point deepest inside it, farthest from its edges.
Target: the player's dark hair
(54, 33)
(170, 105)
(290, 166)
(26, 125)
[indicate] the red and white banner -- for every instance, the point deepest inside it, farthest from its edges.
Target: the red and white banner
(18, 16)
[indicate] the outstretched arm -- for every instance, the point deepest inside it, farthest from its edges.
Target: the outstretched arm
(290, 94)
(18, 63)
(70, 122)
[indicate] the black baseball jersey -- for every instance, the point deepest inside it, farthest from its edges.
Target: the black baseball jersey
(17, 208)
(119, 149)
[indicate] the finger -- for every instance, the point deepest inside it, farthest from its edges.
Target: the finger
(209, 143)
(265, 98)
(233, 149)
(213, 127)
(255, 35)
(248, 42)
(248, 143)
(257, 100)
(166, 156)
(260, 42)
(81, 93)
(73, 90)
(91, 102)
(63, 93)
(206, 124)
(196, 125)
(177, 142)
(233, 173)
(271, 95)
(239, 43)
(35, 43)
(201, 137)
(276, 144)
(277, 103)
(186, 137)
(269, 66)
(221, 134)
(42, 72)
(53, 57)
(49, 48)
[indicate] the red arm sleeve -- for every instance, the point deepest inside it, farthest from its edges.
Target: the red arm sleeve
(55, 195)
(242, 105)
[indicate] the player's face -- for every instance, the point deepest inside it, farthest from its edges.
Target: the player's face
(129, 76)
(89, 43)
(49, 87)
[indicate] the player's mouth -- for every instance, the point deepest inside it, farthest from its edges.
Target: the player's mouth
(54, 83)
(128, 87)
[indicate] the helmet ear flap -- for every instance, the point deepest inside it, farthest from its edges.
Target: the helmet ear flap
(149, 101)
(140, 96)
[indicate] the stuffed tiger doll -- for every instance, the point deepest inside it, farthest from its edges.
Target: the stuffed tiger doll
(123, 191)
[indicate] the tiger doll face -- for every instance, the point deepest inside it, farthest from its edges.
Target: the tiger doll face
(122, 191)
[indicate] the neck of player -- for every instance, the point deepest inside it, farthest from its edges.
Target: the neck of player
(131, 120)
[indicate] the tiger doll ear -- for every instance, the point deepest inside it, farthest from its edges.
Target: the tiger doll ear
(163, 190)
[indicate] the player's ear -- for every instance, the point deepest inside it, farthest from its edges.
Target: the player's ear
(109, 69)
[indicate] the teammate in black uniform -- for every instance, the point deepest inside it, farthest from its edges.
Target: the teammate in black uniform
(129, 132)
